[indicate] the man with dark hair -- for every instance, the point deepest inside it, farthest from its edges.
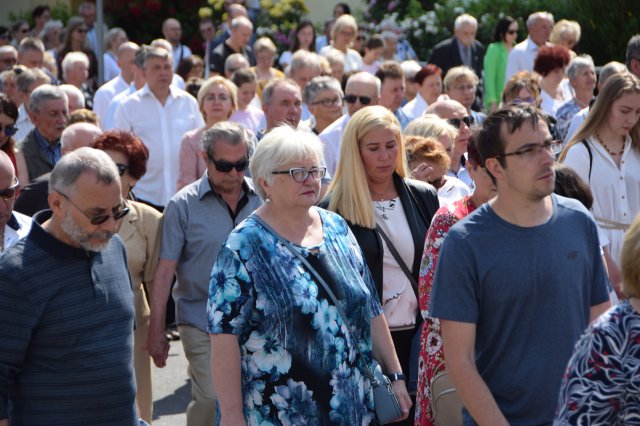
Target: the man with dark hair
(518, 281)
(67, 305)
(392, 90)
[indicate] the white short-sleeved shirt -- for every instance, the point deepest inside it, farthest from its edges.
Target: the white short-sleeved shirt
(160, 127)
(616, 191)
(331, 137)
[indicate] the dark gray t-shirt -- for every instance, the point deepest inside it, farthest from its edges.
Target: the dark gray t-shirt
(529, 292)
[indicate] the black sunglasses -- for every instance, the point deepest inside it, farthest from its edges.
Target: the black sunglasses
(9, 129)
(456, 122)
(226, 167)
(122, 168)
(101, 218)
(10, 192)
(351, 99)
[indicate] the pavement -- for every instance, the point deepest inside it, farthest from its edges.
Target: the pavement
(171, 389)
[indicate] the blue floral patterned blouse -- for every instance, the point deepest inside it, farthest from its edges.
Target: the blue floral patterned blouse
(299, 365)
(602, 382)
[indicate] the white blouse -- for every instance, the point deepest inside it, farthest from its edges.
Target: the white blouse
(399, 301)
(352, 59)
(616, 191)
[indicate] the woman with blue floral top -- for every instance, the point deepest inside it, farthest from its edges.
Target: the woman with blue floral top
(281, 352)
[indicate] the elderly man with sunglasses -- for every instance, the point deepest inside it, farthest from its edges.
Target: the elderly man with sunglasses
(13, 225)
(197, 221)
(363, 89)
(67, 305)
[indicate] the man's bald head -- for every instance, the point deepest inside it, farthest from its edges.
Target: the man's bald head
(78, 135)
(446, 109)
(126, 59)
(7, 180)
(235, 10)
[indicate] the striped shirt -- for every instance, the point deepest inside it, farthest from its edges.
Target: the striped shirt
(66, 336)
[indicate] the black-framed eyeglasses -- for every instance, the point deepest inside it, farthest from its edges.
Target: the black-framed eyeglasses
(300, 174)
(351, 99)
(122, 168)
(8, 129)
(10, 192)
(100, 218)
(532, 150)
(328, 102)
(226, 166)
(456, 122)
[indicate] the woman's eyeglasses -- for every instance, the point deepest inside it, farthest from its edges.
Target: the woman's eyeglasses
(300, 174)
(329, 102)
(8, 129)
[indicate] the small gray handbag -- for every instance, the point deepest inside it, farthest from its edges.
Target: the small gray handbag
(385, 400)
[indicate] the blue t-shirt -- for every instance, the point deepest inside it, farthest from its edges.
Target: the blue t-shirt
(529, 292)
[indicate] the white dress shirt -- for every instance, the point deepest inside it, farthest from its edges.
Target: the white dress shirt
(106, 93)
(15, 230)
(160, 127)
(111, 68)
(616, 191)
(23, 123)
(415, 107)
(176, 52)
(331, 138)
(352, 59)
(521, 58)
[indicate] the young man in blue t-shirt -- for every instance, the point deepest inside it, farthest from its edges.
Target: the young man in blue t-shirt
(517, 281)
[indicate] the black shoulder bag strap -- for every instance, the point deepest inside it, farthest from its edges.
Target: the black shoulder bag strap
(368, 372)
(398, 259)
(586, 145)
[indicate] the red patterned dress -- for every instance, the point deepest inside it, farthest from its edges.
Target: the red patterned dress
(431, 360)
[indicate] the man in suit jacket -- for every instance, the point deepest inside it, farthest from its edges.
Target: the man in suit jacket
(461, 49)
(48, 110)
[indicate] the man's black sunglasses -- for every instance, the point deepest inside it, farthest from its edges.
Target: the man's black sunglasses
(455, 122)
(351, 99)
(226, 167)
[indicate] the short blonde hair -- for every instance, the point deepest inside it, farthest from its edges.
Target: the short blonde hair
(349, 190)
(282, 145)
(456, 74)
(344, 22)
(264, 44)
(231, 88)
(629, 265)
(564, 27)
(430, 126)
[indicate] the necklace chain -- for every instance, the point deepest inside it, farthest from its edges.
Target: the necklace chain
(606, 148)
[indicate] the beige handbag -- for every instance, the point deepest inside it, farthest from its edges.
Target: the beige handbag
(445, 403)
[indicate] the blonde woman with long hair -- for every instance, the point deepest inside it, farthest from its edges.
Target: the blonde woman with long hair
(605, 152)
(386, 212)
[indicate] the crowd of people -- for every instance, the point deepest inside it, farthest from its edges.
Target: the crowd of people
(465, 220)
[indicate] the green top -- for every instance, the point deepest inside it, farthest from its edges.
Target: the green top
(495, 66)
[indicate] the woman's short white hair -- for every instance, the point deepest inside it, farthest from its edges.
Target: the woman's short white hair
(430, 126)
(577, 64)
(281, 146)
(72, 58)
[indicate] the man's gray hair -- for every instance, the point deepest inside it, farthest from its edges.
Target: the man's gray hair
(72, 91)
(577, 64)
(267, 92)
(538, 15)
(28, 77)
(43, 93)
(31, 43)
(611, 68)
(633, 50)
(235, 61)
(317, 85)
(141, 54)
(52, 24)
(465, 19)
(227, 132)
(281, 146)
(69, 140)
(154, 51)
(71, 166)
(365, 77)
(389, 35)
(303, 59)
